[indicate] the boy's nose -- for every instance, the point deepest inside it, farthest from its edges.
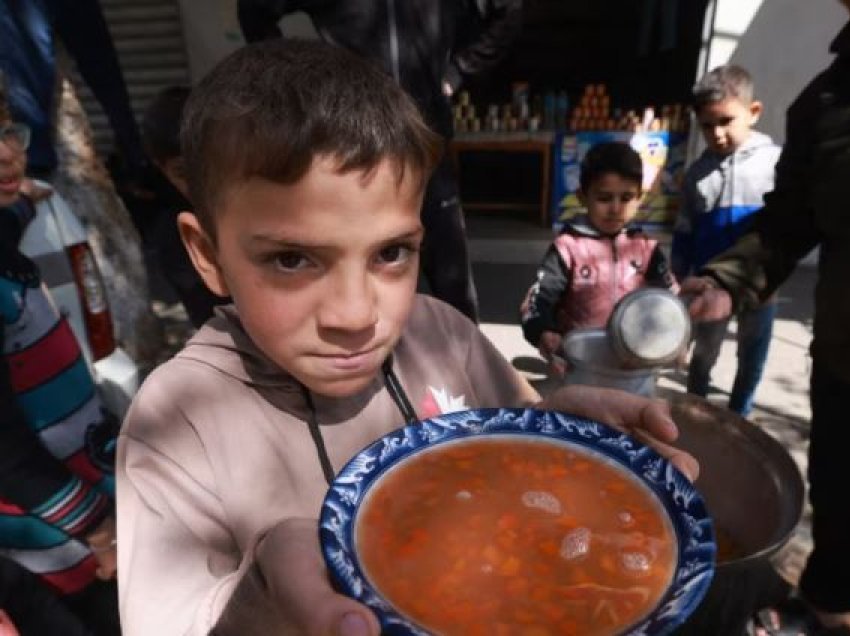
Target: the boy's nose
(350, 305)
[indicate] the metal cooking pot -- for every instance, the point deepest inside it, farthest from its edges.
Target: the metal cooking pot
(754, 492)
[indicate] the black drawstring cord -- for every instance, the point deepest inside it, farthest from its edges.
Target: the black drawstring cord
(316, 434)
(396, 392)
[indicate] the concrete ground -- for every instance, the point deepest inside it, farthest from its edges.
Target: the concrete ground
(505, 251)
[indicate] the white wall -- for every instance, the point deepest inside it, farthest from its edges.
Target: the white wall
(783, 43)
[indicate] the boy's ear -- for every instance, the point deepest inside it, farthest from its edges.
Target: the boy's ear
(202, 252)
(756, 109)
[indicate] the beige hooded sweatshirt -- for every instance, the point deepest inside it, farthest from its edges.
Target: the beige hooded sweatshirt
(216, 449)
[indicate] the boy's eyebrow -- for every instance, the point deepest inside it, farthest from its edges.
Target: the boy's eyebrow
(284, 241)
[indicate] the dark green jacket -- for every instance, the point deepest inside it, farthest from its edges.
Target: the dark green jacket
(809, 207)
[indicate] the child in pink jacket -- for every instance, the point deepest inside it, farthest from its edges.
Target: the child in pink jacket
(597, 259)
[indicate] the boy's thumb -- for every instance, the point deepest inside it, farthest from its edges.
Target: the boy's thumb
(355, 624)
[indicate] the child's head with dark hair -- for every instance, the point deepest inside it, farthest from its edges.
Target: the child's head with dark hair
(611, 185)
(307, 167)
(160, 124)
(160, 130)
(270, 109)
(724, 82)
(611, 157)
(725, 107)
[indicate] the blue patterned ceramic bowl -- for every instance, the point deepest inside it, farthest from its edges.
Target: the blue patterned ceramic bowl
(694, 566)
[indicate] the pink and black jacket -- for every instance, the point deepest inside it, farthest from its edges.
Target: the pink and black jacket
(585, 273)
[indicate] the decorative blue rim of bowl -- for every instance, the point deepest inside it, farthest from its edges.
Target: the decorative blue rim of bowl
(686, 509)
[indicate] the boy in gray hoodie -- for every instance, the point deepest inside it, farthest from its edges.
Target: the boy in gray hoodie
(307, 166)
(721, 191)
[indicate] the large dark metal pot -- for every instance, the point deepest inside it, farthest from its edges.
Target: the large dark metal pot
(754, 492)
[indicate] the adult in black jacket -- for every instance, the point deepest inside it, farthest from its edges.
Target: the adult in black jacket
(808, 209)
(417, 42)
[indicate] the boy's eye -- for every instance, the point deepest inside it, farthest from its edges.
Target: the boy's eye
(291, 261)
(395, 253)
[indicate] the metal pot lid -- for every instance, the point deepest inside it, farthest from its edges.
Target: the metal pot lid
(649, 327)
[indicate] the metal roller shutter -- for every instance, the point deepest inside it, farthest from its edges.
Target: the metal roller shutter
(148, 35)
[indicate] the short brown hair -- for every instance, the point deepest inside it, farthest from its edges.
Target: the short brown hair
(723, 82)
(270, 108)
(611, 157)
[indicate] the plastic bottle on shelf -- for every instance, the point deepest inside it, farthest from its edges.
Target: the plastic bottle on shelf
(549, 110)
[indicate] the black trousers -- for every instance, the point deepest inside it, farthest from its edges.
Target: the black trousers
(826, 578)
(445, 253)
(34, 608)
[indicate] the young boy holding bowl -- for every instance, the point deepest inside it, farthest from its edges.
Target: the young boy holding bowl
(306, 166)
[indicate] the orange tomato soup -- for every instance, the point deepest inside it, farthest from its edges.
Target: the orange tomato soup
(505, 535)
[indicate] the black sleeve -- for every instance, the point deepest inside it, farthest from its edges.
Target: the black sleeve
(502, 25)
(539, 311)
(658, 272)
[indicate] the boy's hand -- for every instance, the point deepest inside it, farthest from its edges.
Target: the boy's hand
(102, 542)
(648, 420)
(291, 562)
(550, 349)
(706, 300)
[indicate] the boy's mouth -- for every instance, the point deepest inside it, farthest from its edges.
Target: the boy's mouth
(353, 361)
(10, 185)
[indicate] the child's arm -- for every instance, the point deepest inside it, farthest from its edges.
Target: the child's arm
(539, 309)
(658, 272)
(36, 482)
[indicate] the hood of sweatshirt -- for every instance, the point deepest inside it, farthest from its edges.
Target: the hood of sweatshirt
(223, 344)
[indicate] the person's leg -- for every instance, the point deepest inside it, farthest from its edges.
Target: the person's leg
(825, 582)
(97, 607)
(708, 337)
(755, 329)
(445, 254)
(33, 607)
(81, 26)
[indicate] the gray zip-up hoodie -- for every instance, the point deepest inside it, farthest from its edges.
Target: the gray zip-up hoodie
(719, 195)
(216, 449)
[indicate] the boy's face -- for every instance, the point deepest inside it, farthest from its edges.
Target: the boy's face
(13, 164)
(323, 272)
(611, 202)
(726, 124)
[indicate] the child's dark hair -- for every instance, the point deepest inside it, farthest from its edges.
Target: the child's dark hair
(160, 124)
(270, 108)
(611, 157)
(5, 114)
(723, 82)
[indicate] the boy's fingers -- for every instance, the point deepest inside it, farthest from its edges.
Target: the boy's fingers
(648, 420)
(303, 588)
